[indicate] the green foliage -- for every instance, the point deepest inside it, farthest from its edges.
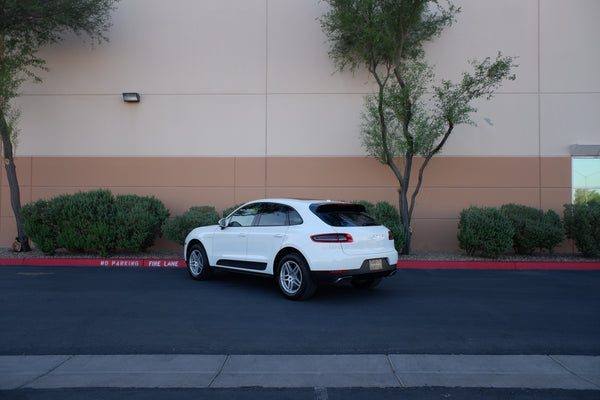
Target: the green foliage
(25, 27)
(383, 32)
(77, 222)
(484, 230)
(403, 119)
(29, 25)
(138, 221)
(582, 224)
(177, 229)
(395, 106)
(93, 220)
(387, 215)
(533, 229)
(584, 196)
(453, 102)
(39, 222)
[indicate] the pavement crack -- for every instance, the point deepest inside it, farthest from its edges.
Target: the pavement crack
(572, 372)
(60, 364)
(219, 371)
(387, 356)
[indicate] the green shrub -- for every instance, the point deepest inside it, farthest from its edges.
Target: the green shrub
(554, 233)
(178, 228)
(77, 222)
(38, 224)
(138, 221)
(387, 215)
(87, 221)
(484, 230)
(533, 229)
(582, 224)
(93, 221)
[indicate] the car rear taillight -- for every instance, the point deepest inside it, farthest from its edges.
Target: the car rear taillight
(390, 236)
(332, 238)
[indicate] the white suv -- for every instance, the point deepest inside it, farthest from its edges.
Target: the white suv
(301, 243)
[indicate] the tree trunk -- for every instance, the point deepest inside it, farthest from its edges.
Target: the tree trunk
(406, 217)
(13, 184)
(11, 170)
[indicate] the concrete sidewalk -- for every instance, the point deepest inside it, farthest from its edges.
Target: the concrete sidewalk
(294, 371)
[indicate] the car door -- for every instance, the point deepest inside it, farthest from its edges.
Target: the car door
(230, 243)
(266, 237)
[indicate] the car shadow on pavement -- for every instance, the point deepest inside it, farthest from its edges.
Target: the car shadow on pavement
(266, 286)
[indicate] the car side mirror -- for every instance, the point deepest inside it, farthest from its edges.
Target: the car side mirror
(223, 223)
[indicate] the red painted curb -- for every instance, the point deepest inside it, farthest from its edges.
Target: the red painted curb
(93, 262)
(160, 263)
(501, 265)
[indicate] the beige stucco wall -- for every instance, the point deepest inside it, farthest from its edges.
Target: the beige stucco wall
(240, 100)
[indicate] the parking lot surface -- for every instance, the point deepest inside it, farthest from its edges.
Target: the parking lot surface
(72, 328)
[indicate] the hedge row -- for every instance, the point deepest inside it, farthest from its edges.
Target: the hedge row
(484, 230)
(99, 221)
(177, 229)
(582, 224)
(94, 220)
(491, 231)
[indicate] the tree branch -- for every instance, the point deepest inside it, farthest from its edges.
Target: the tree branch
(426, 161)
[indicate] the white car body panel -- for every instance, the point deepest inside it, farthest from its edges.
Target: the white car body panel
(259, 245)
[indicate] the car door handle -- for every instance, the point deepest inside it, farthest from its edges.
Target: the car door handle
(243, 235)
(278, 235)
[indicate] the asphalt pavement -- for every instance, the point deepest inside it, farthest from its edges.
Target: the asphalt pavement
(78, 328)
(100, 311)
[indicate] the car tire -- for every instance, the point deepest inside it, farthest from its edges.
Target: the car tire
(293, 277)
(365, 283)
(197, 263)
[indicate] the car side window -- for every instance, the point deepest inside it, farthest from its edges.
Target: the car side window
(294, 217)
(272, 214)
(244, 216)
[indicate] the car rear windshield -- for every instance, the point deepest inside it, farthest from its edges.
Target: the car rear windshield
(340, 214)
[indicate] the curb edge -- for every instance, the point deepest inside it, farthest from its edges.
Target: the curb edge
(180, 263)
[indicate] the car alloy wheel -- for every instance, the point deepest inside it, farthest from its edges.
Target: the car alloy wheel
(198, 263)
(294, 278)
(290, 277)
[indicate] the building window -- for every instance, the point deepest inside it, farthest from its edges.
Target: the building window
(586, 172)
(586, 179)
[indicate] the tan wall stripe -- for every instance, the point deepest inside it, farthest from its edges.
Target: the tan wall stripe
(451, 184)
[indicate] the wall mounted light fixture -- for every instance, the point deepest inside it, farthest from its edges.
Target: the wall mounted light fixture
(131, 97)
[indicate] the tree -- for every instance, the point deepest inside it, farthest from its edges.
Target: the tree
(25, 27)
(409, 115)
(584, 196)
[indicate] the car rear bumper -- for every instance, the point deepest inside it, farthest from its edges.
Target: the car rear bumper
(366, 271)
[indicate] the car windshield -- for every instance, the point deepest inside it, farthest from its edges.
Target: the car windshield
(341, 214)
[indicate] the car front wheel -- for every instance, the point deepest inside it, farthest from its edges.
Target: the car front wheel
(293, 276)
(197, 263)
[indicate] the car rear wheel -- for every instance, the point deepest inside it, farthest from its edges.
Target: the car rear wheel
(197, 263)
(293, 276)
